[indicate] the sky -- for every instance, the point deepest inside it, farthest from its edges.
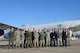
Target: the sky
(35, 12)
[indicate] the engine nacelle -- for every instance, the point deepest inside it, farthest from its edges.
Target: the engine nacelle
(1, 32)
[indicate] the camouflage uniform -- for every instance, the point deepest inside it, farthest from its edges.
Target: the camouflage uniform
(11, 39)
(22, 38)
(29, 39)
(68, 38)
(47, 38)
(42, 39)
(36, 41)
(60, 38)
(17, 36)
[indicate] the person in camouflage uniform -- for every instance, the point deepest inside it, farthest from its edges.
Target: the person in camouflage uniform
(48, 38)
(68, 37)
(17, 36)
(29, 38)
(36, 40)
(42, 38)
(60, 37)
(22, 38)
(11, 38)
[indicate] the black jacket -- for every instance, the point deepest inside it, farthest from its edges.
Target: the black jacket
(53, 35)
(64, 35)
(25, 35)
(32, 36)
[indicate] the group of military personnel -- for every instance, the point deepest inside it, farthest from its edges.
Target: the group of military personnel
(39, 38)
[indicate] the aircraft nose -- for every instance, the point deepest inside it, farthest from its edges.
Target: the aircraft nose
(1, 32)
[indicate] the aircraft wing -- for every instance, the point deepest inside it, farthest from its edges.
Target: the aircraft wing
(5, 26)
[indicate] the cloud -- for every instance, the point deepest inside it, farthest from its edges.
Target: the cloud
(65, 24)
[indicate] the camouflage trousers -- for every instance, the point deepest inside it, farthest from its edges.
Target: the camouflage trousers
(29, 42)
(11, 42)
(18, 42)
(36, 42)
(42, 43)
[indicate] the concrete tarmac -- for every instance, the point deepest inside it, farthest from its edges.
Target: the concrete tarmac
(74, 48)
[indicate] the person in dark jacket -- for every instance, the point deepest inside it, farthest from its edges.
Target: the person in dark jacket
(64, 37)
(25, 39)
(53, 36)
(33, 36)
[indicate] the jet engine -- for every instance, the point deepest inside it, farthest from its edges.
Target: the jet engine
(1, 32)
